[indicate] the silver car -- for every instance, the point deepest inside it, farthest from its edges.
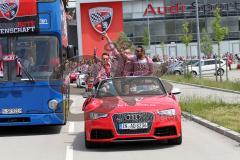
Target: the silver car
(81, 80)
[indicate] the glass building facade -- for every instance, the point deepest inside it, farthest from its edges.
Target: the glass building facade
(167, 26)
(164, 20)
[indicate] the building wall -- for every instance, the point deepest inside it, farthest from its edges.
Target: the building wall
(72, 34)
(226, 46)
(168, 28)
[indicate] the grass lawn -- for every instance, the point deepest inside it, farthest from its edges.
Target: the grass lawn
(227, 115)
(206, 82)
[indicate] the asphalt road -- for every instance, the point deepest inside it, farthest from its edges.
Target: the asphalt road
(67, 142)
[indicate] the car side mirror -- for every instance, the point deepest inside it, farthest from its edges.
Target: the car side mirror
(175, 91)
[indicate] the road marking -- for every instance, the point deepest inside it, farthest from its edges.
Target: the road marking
(69, 153)
(71, 127)
(69, 150)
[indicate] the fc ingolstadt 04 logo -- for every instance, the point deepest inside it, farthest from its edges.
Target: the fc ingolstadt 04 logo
(101, 18)
(9, 8)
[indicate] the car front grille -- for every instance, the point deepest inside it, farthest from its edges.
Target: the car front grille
(141, 117)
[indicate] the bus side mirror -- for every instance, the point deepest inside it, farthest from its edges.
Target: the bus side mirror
(1, 69)
(70, 52)
(19, 70)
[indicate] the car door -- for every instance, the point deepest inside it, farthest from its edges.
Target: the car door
(203, 67)
(206, 68)
(211, 67)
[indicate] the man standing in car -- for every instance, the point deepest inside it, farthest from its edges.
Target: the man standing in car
(142, 65)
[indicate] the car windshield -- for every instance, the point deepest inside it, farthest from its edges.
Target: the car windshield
(39, 56)
(133, 86)
(196, 63)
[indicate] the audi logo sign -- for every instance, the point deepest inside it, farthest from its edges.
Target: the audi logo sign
(134, 117)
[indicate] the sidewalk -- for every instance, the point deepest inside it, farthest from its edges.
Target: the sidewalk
(233, 75)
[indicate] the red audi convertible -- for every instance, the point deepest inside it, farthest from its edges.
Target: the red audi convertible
(132, 109)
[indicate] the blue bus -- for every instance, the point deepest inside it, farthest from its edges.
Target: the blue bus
(33, 89)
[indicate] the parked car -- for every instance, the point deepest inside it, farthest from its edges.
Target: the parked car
(81, 80)
(132, 108)
(193, 61)
(176, 68)
(208, 66)
(73, 76)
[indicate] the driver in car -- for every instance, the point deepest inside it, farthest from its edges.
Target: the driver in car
(129, 89)
(107, 88)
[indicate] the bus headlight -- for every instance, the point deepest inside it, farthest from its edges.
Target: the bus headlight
(53, 104)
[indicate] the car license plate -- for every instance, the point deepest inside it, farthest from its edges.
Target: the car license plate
(133, 126)
(12, 111)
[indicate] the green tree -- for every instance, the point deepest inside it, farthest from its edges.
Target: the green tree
(219, 32)
(146, 38)
(186, 38)
(123, 42)
(206, 43)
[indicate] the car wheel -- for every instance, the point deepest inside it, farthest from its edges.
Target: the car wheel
(194, 74)
(177, 73)
(89, 145)
(220, 72)
(176, 141)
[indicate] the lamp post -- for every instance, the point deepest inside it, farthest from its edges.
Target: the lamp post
(198, 40)
(149, 36)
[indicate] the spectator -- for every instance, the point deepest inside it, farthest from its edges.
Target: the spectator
(229, 61)
(104, 69)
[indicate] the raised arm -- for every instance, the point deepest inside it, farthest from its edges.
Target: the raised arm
(114, 52)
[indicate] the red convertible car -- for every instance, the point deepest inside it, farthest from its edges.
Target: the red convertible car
(132, 109)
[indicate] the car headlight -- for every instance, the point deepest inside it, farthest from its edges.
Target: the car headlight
(53, 104)
(94, 116)
(169, 112)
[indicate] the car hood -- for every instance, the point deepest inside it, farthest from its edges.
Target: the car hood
(132, 104)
